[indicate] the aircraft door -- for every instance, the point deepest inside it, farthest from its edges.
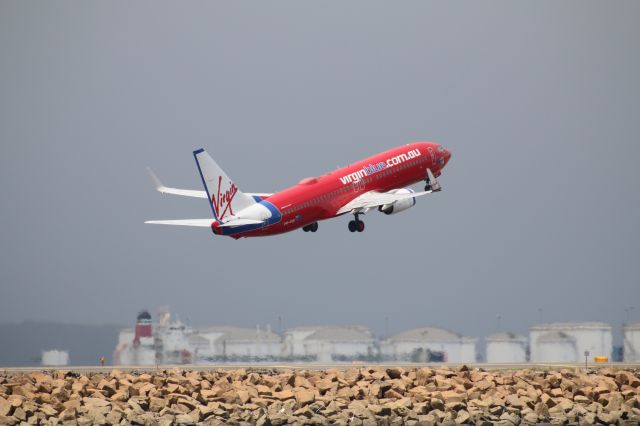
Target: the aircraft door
(432, 153)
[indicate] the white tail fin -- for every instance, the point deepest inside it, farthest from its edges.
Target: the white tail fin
(224, 196)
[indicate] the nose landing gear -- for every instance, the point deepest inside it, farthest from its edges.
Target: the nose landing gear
(431, 182)
(356, 225)
(429, 186)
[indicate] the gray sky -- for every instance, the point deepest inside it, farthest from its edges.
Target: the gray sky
(539, 103)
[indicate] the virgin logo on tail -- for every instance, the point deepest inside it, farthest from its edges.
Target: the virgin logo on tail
(222, 201)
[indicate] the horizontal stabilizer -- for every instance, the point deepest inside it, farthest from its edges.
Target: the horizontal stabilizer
(160, 187)
(205, 223)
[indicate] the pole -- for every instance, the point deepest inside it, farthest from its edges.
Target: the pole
(586, 357)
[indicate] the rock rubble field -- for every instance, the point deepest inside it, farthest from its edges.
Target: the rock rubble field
(356, 396)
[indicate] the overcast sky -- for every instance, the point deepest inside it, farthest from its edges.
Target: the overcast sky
(539, 103)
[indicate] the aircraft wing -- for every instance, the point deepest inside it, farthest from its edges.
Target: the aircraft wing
(189, 192)
(374, 199)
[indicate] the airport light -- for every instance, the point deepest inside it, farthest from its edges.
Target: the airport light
(586, 358)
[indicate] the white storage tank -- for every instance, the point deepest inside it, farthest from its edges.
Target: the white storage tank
(340, 344)
(329, 343)
(567, 341)
(631, 336)
(55, 358)
(506, 348)
(236, 344)
(429, 344)
(294, 342)
(555, 346)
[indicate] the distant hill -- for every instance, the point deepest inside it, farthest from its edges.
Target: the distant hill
(22, 344)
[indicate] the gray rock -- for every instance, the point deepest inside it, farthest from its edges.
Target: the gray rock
(166, 420)
(608, 418)
(510, 417)
(184, 419)
(8, 421)
(114, 417)
(463, 417)
(427, 420)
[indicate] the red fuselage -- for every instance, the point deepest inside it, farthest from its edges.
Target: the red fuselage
(319, 198)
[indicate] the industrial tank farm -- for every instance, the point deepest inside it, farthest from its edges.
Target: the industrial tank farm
(169, 341)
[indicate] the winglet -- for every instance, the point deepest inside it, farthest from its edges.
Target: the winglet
(175, 191)
(155, 179)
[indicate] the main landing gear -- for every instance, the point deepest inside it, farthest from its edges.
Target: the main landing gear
(357, 224)
(311, 228)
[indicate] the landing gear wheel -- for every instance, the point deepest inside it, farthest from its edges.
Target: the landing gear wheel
(312, 227)
(356, 225)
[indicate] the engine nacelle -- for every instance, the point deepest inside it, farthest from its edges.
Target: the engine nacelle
(400, 205)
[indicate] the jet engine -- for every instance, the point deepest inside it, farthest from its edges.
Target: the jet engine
(400, 205)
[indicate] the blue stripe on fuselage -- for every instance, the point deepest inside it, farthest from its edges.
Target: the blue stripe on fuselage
(276, 216)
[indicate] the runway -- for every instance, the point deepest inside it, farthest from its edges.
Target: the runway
(312, 366)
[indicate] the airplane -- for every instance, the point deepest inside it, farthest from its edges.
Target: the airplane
(378, 182)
